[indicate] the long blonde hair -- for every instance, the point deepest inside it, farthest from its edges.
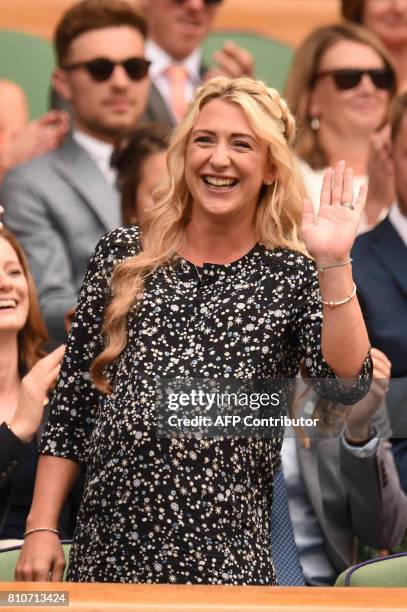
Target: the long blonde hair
(278, 215)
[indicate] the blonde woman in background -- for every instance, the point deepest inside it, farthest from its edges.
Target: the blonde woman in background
(222, 288)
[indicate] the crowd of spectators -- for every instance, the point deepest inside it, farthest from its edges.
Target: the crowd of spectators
(125, 79)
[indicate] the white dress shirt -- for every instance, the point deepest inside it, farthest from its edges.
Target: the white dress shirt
(99, 151)
(160, 61)
(398, 221)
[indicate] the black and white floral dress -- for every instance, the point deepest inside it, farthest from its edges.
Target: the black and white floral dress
(173, 510)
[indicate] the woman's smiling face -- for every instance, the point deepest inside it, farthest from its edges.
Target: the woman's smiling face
(356, 111)
(226, 163)
(388, 20)
(14, 301)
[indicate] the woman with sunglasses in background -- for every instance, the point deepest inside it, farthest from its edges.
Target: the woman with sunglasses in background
(388, 20)
(339, 88)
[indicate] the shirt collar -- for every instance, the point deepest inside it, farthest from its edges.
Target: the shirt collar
(161, 60)
(99, 151)
(399, 221)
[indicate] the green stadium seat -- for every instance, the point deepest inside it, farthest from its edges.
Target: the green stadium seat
(29, 61)
(388, 571)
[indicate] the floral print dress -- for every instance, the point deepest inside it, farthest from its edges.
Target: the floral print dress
(182, 510)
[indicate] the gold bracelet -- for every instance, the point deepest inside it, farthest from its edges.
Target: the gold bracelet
(39, 529)
(344, 301)
(337, 265)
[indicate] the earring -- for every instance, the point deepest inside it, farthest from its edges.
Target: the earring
(315, 124)
(268, 183)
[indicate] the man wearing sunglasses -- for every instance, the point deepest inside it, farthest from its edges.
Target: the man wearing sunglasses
(60, 204)
(177, 29)
(380, 264)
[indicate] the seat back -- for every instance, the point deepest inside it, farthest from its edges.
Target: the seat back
(272, 57)
(388, 571)
(9, 557)
(29, 61)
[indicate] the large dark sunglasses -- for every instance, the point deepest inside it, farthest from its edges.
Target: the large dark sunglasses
(101, 68)
(348, 78)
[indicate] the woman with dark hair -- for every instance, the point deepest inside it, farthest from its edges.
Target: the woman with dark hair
(141, 167)
(339, 88)
(25, 379)
(221, 284)
(388, 20)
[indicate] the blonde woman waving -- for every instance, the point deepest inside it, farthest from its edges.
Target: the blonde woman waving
(224, 286)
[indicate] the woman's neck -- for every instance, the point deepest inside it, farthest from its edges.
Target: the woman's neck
(9, 377)
(355, 151)
(209, 242)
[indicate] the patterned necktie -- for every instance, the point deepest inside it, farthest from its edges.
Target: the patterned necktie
(177, 79)
(284, 550)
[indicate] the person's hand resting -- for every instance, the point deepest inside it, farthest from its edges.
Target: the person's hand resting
(358, 416)
(35, 138)
(34, 389)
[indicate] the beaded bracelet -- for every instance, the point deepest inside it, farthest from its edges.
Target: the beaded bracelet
(337, 265)
(344, 301)
(38, 529)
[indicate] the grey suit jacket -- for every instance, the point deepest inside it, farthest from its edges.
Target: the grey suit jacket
(157, 110)
(59, 205)
(353, 497)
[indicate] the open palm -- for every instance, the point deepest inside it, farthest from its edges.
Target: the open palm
(330, 234)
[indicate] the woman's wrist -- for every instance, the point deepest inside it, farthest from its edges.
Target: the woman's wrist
(41, 520)
(36, 530)
(21, 430)
(358, 434)
(326, 260)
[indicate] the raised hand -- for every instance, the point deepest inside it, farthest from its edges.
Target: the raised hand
(380, 170)
(330, 234)
(34, 388)
(35, 138)
(232, 61)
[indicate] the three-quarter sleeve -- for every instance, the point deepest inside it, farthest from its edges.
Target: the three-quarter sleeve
(75, 402)
(308, 329)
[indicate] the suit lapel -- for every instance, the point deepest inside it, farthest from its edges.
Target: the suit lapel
(391, 252)
(157, 109)
(78, 169)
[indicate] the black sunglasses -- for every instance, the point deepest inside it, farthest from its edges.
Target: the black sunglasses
(348, 78)
(101, 68)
